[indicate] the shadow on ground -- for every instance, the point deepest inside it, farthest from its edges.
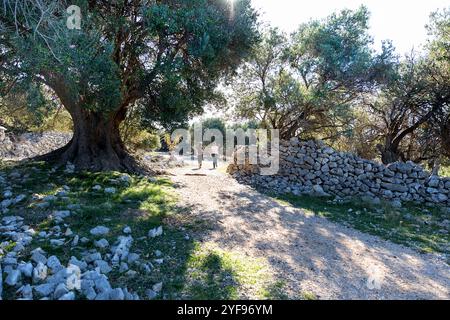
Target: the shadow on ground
(188, 268)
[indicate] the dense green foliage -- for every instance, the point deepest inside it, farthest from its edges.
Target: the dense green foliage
(308, 82)
(326, 81)
(163, 57)
(153, 53)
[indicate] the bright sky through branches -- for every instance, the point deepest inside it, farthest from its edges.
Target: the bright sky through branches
(402, 21)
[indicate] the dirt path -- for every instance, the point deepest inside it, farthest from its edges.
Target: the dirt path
(310, 253)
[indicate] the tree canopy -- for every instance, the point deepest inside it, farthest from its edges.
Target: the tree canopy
(165, 56)
(326, 81)
(309, 81)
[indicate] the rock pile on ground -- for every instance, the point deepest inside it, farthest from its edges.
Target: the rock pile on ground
(312, 168)
(28, 272)
(160, 162)
(38, 275)
(29, 145)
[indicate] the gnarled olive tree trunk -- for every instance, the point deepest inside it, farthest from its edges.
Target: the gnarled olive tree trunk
(389, 151)
(96, 144)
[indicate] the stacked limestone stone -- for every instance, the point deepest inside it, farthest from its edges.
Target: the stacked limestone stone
(29, 145)
(313, 168)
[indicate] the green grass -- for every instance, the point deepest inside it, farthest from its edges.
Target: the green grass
(226, 275)
(414, 226)
(275, 291)
(309, 296)
(191, 270)
(445, 171)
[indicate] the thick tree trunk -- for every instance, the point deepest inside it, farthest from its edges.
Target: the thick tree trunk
(445, 135)
(389, 156)
(389, 152)
(95, 146)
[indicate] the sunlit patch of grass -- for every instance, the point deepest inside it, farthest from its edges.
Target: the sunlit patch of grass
(275, 291)
(308, 296)
(414, 226)
(7, 248)
(444, 171)
(214, 273)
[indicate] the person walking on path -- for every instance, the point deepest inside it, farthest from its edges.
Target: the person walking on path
(214, 154)
(199, 151)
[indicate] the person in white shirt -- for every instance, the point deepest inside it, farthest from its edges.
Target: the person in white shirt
(214, 154)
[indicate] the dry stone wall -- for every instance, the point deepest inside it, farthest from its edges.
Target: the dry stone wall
(29, 145)
(313, 168)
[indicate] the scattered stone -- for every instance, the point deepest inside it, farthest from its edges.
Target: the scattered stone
(150, 294)
(59, 216)
(26, 292)
(110, 190)
(157, 287)
(20, 198)
(121, 250)
(123, 267)
(131, 273)
(68, 232)
(26, 269)
(57, 242)
(75, 240)
(42, 234)
(74, 206)
(9, 261)
(102, 285)
(101, 244)
(54, 264)
(93, 257)
(99, 231)
(6, 203)
(43, 205)
(116, 294)
(39, 272)
(89, 293)
(103, 266)
(68, 296)
(44, 290)
(396, 204)
(127, 230)
(80, 264)
(84, 240)
(146, 268)
(13, 278)
(7, 194)
(60, 291)
(49, 198)
(156, 232)
(38, 257)
(132, 257)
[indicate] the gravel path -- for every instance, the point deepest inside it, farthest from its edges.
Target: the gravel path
(310, 253)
